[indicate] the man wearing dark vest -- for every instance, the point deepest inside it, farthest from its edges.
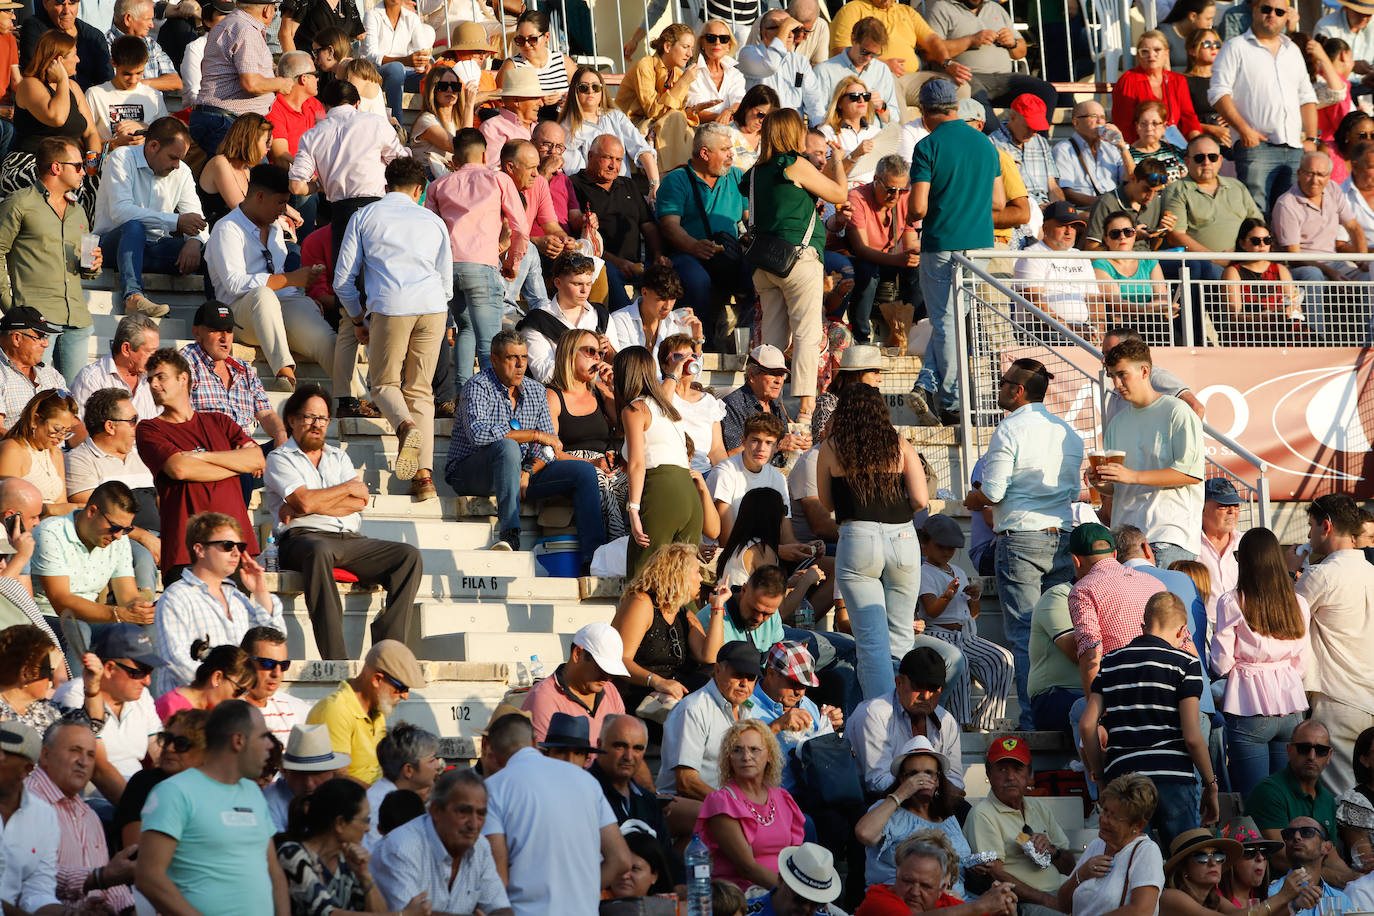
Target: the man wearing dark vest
(573, 277)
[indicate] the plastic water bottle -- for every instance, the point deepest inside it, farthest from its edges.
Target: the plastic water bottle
(698, 861)
(536, 668)
(268, 558)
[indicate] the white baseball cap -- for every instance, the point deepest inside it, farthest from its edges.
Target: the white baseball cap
(603, 643)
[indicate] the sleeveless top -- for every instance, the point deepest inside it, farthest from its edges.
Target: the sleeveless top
(214, 204)
(30, 132)
(665, 442)
(784, 208)
(743, 12)
(848, 508)
(589, 433)
(553, 76)
(1265, 298)
(734, 574)
(43, 475)
(664, 649)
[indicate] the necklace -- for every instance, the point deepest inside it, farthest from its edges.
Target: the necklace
(763, 819)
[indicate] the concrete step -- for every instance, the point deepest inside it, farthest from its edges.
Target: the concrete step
(460, 535)
(446, 618)
(552, 648)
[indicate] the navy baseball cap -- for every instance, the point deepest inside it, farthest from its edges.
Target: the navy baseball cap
(1221, 491)
(125, 640)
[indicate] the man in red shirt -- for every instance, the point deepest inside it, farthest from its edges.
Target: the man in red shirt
(196, 459)
(293, 113)
(920, 887)
(9, 56)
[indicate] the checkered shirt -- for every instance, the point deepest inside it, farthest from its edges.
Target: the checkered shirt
(243, 400)
(1035, 160)
(1108, 606)
(159, 64)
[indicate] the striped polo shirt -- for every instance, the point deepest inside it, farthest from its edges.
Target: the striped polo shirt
(1142, 686)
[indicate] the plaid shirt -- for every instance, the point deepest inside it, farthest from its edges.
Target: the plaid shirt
(1108, 606)
(187, 612)
(1035, 160)
(485, 416)
(740, 405)
(16, 389)
(243, 400)
(81, 847)
(159, 64)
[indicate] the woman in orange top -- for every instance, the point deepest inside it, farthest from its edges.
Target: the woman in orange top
(657, 84)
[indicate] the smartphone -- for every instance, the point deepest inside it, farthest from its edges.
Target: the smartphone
(13, 525)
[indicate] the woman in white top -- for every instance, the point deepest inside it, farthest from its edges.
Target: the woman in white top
(1122, 865)
(852, 124)
(587, 114)
(664, 506)
(746, 127)
(398, 43)
(32, 449)
(652, 319)
(718, 77)
(367, 79)
(447, 108)
(679, 356)
(555, 68)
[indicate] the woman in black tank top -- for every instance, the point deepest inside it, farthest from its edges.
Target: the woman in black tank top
(874, 481)
(582, 406)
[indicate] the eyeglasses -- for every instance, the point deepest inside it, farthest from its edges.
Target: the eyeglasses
(130, 420)
(114, 529)
(858, 96)
(179, 743)
(588, 88)
(1211, 45)
(1306, 831)
(239, 689)
(399, 687)
(523, 40)
(1307, 747)
(1007, 381)
(1121, 233)
(715, 39)
(756, 113)
(550, 146)
(45, 672)
(62, 432)
(75, 165)
(1260, 240)
(1267, 10)
(1090, 117)
(136, 671)
(1255, 853)
(319, 50)
(227, 546)
(314, 419)
(268, 664)
(36, 337)
(1200, 158)
(1207, 858)
(800, 31)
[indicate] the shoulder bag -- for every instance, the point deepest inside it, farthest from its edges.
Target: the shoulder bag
(772, 253)
(725, 264)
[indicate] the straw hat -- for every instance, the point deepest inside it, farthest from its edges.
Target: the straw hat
(308, 751)
(522, 83)
(470, 36)
(1196, 840)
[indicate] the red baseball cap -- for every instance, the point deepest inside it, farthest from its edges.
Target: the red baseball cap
(1032, 108)
(1008, 746)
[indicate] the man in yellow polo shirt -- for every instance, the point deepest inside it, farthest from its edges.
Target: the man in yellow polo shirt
(355, 714)
(909, 38)
(1009, 818)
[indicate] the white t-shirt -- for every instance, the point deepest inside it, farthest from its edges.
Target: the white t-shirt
(697, 419)
(1063, 286)
(1097, 896)
(802, 485)
(934, 581)
(109, 106)
(730, 481)
(1166, 434)
(125, 736)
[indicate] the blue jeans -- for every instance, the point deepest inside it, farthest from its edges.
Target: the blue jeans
(1327, 327)
(494, 470)
(867, 276)
(878, 573)
(696, 288)
(616, 299)
(1258, 747)
(396, 78)
(6, 137)
(836, 263)
(145, 570)
(477, 295)
(1179, 808)
(1027, 563)
(208, 129)
(940, 367)
(1168, 553)
(71, 350)
(1050, 710)
(529, 279)
(1267, 170)
(134, 252)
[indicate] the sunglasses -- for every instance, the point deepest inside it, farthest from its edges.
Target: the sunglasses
(1120, 233)
(589, 351)
(1260, 240)
(714, 39)
(588, 88)
(1254, 853)
(527, 39)
(179, 743)
(887, 189)
(136, 671)
(858, 96)
(1267, 10)
(239, 689)
(268, 664)
(1211, 45)
(447, 86)
(112, 527)
(1306, 832)
(1200, 158)
(400, 688)
(1207, 858)
(1306, 747)
(226, 546)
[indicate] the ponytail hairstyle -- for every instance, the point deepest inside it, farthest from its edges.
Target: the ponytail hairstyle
(230, 661)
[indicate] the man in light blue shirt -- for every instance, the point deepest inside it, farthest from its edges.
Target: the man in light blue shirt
(409, 281)
(775, 64)
(317, 498)
(1030, 480)
(780, 700)
(863, 58)
(690, 758)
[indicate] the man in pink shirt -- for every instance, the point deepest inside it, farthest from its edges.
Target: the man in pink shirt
(520, 101)
(582, 685)
(466, 199)
(551, 140)
(885, 248)
(520, 160)
(1220, 513)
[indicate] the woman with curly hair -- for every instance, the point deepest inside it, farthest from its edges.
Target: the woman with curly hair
(666, 647)
(874, 482)
(32, 449)
(750, 818)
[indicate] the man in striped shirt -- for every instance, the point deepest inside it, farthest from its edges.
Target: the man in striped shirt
(1146, 696)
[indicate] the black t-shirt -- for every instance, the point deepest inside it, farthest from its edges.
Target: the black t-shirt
(174, 36)
(136, 791)
(620, 211)
(316, 15)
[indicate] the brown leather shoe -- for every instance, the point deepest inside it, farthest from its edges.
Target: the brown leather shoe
(359, 409)
(422, 488)
(445, 410)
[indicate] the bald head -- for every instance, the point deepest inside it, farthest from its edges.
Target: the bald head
(605, 158)
(804, 11)
(19, 497)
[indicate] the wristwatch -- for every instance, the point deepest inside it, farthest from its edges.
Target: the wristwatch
(944, 64)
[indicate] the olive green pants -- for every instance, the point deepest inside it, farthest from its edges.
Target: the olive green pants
(669, 511)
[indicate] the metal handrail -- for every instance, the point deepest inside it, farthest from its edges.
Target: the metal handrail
(1281, 257)
(963, 261)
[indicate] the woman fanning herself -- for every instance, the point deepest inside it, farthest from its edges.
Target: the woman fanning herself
(872, 479)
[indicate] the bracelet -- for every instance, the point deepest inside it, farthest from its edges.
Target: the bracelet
(91, 696)
(634, 506)
(895, 800)
(114, 609)
(650, 682)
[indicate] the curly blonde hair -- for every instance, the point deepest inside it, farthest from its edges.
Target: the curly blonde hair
(772, 773)
(664, 577)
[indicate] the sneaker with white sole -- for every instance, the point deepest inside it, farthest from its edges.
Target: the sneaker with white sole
(917, 404)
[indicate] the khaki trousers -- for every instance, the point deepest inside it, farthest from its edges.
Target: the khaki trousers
(1344, 722)
(402, 354)
(790, 308)
(281, 325)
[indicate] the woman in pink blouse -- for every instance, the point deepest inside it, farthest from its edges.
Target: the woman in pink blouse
(1260, 648)
(750, 818)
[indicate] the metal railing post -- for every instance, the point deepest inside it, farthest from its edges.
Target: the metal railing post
(1186, 287)
(1262, 496)
(961, 346)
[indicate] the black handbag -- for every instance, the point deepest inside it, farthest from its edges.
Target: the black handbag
(827, 771)
(769, 252)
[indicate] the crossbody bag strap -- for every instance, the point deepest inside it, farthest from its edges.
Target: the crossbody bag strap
(1126, 879)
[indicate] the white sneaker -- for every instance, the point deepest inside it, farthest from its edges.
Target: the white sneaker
(501, 546)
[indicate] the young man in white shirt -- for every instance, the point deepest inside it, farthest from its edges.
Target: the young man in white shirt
(1063, 288)
(748, 469)
(124, 106)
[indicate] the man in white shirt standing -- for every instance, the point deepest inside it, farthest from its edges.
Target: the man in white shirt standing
(402, 251)
(280, 710)
(149, 213)
(1070, 282)
(1260, 86)
(1340, 593)
(1030, 479)
(775, 63)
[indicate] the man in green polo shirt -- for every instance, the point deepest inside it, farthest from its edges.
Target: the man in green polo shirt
(1296, 791)
(1208, 209)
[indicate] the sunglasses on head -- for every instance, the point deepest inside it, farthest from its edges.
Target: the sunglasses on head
(1207, 858)
(267, 664)
(714, 39)
(1307, 747)
(1121, 233)
(179, 743)
(1306, 831)
(1155, 180)
(136, 671)
(858, 96)
(1260, 240)
(1200, 158)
